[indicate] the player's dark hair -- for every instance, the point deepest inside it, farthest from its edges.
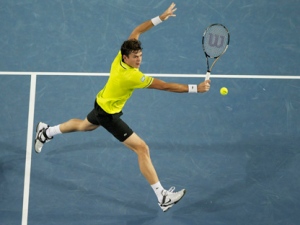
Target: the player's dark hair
(130, 45)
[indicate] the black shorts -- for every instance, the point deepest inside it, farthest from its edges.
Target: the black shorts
(111, 122)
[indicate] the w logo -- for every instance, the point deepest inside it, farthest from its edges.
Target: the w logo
(214, 40)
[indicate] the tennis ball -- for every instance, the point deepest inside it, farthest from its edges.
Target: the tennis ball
(223, 91)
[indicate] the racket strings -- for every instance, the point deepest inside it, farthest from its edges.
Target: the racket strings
(215, 40)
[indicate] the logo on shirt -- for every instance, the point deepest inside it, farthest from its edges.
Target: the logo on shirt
(143, 78)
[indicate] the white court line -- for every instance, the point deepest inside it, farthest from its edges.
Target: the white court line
(28, 150)
(285, 77)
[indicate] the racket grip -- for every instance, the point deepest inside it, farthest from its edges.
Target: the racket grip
(207, 75)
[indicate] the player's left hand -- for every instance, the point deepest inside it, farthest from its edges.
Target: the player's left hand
(169, 12)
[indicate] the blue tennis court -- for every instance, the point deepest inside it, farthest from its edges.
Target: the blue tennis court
(236, 155)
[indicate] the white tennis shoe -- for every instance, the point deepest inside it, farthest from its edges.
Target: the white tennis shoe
(41, 137)
(170, 198)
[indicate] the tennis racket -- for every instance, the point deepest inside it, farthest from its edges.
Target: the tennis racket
(215, 42)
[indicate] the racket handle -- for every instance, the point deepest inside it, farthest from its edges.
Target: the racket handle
(207, 75)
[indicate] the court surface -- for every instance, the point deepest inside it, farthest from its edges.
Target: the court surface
(236, 155)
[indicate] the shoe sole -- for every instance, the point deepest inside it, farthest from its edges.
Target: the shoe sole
(170, 206)
(36, 135)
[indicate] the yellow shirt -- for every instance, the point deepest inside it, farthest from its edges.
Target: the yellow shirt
(122, 81)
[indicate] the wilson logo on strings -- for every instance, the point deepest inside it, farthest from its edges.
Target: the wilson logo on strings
(214, 40)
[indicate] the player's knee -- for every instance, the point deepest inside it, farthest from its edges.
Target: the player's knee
(142, 148)
(89, 128)
(86, 127)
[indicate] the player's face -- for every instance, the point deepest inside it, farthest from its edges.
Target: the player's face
(134, 59)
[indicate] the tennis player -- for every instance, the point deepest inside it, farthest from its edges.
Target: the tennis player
(124, 78)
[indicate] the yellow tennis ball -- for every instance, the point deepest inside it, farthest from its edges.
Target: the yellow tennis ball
(223, 91)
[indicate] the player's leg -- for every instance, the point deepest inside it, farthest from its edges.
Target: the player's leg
(74, 125)
(45, 133)
(165, 198)
(135, 143)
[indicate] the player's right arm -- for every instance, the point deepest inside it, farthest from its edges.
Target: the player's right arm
(147, 25)
(176, 87)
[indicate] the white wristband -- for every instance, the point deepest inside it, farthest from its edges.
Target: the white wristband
(193, 88)
(156, 20)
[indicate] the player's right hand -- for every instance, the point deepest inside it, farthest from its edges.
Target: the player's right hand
(204, 86)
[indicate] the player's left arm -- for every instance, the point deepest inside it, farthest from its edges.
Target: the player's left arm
(147, 25)
(179, 88)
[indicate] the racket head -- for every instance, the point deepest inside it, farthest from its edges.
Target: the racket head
(215, 40)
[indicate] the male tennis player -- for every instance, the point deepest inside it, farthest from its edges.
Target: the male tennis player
(125, 76)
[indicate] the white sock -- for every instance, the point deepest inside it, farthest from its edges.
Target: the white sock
(158, 189)
(52, 131)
